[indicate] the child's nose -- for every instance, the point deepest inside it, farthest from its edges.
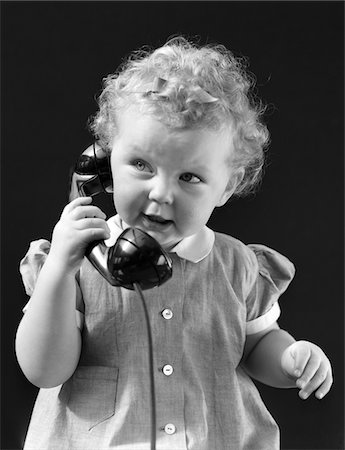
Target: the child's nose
(161, 190)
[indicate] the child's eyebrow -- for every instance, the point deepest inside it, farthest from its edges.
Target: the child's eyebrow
(134, 149)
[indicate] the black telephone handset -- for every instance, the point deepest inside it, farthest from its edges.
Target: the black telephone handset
(136, 257)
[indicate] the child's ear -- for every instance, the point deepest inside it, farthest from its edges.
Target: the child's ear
(234, 181)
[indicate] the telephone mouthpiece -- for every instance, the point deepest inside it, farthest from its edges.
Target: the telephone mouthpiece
(137, 258)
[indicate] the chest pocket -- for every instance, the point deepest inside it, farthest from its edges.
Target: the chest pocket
(91, 395)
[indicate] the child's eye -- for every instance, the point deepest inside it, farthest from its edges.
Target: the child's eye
(140, 165)
(190, 178)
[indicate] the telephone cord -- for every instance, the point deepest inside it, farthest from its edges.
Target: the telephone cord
(151, 366)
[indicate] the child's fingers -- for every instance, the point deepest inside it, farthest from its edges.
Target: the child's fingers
(81, 212)
(79, 201)
(310, 370)
(310, 366)
(325, 387)
(315, 382)
(94, 234)
(92, 223)
(301, 353)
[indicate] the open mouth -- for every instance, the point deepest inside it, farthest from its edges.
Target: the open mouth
(157, 219)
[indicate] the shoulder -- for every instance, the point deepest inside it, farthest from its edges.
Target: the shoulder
(239, 262)
(257, 258)
(230, 247)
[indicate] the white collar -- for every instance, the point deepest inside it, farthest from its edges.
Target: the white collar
(193, 248)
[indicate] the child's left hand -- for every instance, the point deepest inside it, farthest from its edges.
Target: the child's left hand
(310, 367)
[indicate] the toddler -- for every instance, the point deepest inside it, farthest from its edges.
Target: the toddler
(184, 135)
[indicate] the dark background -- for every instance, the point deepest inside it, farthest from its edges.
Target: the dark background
(54, 55)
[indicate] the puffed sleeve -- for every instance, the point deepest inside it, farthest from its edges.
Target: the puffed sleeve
(274, 274)
(32, 263)
(30, 267)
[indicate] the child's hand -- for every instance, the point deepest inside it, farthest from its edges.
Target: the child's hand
(80, 224)
(308, 364)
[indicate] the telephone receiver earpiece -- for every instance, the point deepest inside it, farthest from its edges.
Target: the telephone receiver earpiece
(136, 257)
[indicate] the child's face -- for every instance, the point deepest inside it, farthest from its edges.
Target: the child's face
(167, 182)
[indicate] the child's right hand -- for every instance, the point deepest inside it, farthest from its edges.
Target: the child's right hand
(80, 224)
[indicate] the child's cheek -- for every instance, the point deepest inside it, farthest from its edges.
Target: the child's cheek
(127, 205)
(193, 216)
(188, 220)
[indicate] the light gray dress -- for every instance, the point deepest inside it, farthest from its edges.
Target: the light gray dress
(220, 291)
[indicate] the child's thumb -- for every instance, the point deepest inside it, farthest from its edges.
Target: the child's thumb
(295, 358)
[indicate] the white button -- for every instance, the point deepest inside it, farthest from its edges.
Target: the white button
(170, 428)
(168, 370)
(167, 314)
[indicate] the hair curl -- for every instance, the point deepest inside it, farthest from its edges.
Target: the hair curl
(186, 65)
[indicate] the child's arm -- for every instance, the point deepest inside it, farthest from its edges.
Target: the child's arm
(48, 341)
(276, 359)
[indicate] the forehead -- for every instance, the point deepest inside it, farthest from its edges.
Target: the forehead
(138, 129)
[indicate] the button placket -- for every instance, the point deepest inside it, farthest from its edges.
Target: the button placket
(169, 351)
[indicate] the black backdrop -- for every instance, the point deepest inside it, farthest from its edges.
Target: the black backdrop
(54, 55)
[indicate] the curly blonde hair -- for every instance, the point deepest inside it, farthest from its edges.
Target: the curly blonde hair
(183, 66)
